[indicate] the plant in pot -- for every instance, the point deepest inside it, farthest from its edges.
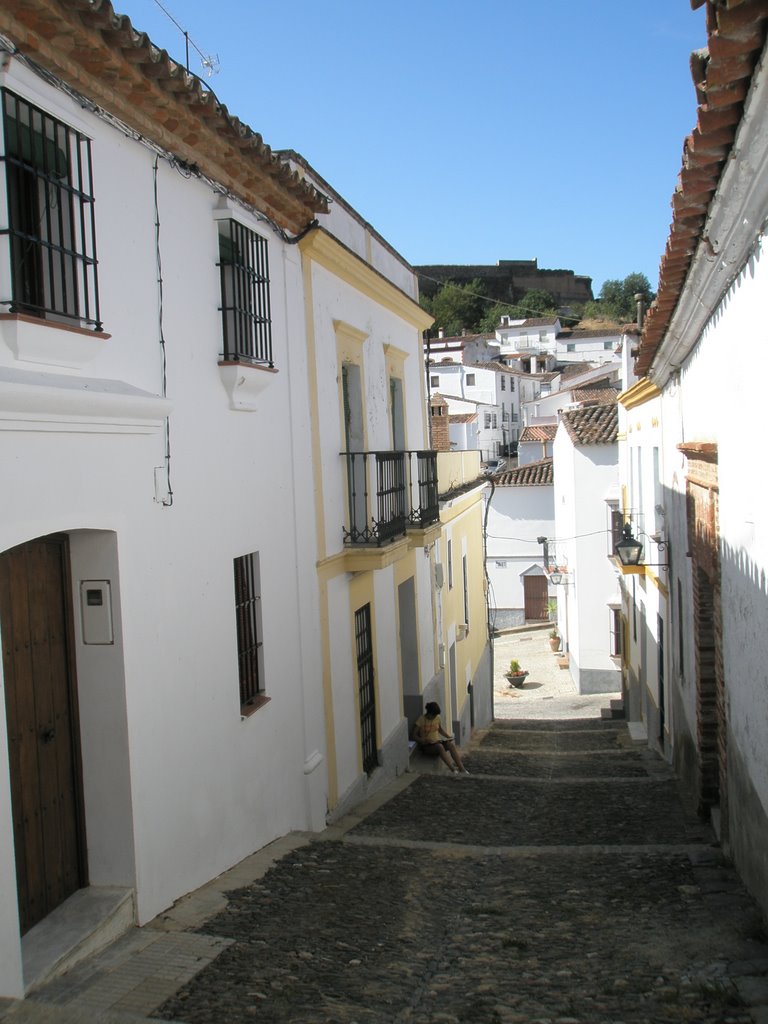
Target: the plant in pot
(516, 674)
(554, 640)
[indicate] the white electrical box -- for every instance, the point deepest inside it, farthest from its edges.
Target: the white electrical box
(96, 611)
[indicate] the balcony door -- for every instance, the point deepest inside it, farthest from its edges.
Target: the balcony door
(354, 440)
(397, 414)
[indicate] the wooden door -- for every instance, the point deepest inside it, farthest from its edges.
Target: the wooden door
(40, 700)
(535, 594)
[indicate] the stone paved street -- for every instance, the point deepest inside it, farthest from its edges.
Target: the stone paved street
(498, 898)
(561, 882)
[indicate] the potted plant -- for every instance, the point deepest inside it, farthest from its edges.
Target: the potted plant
(516, 674)
(554, 640)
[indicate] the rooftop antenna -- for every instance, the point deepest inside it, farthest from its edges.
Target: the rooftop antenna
(210, 62)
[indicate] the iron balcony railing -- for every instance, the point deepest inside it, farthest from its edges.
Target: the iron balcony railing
(388, 492)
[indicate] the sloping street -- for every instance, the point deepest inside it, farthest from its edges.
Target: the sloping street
(562, 881)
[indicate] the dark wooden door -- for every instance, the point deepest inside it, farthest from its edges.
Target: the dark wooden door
(40, 700)
(535, 593)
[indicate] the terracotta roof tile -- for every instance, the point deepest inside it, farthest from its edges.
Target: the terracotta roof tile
(722, 75)
(592, 425)
(462, 417)
(601, 396)
(540, 432)
(532, 474)
(99, 54)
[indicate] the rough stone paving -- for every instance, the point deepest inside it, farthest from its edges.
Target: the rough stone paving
(499, 899)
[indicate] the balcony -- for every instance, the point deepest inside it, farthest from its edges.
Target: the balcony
(389, 493)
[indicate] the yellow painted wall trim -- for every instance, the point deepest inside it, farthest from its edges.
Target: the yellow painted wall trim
(334, 256)
(643, 391)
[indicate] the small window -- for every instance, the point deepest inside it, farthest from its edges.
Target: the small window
(245, 301)
(487, 421)
(465, 580)
(249, 630)
(470, 380)
(434, 381)
(503, 382)
(450, 565)
(607, 345)
(570, 347)
(51, 232)
(617, 632)
(616, 526)
(366, 690)
(494, 420)
(512, 384)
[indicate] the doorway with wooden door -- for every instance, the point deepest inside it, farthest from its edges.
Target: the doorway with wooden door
(535, 597)
(36, 629)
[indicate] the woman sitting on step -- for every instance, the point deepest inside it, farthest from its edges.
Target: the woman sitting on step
(428, 732)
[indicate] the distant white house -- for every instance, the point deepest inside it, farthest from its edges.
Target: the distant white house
(594, 345)
(520, 512)
(490, 393)
(586, 495)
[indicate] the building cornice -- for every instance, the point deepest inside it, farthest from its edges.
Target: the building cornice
(640, 393)
(319, 245)
(98, 54)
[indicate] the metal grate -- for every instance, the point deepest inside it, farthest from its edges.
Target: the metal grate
(364, 645)
(51, 231)
(245, 302)
(249, 633)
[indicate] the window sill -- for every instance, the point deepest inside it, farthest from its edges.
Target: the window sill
(244, 383)
(250, 709)
(33, 340)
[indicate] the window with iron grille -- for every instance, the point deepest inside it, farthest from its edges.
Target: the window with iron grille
(250, 661)
(245, 302)
(364, 646)
(50, 220)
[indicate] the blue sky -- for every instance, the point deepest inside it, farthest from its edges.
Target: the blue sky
(472, 132)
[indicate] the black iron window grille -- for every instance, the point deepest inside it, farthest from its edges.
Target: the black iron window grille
(249, 629)
(389, 492)
(50, 228)
(426, 509)
(377, 497)
(367, 693)
(245, 302)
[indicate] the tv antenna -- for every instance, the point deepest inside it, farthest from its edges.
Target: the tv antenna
(209, 61)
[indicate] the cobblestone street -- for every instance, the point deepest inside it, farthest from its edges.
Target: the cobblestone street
(562, 881)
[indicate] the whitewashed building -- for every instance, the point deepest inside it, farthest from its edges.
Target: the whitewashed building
(221, 521)
(521, 510)
(588, 597)
(694, 490)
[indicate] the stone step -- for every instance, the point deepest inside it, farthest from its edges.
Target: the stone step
(86, 923)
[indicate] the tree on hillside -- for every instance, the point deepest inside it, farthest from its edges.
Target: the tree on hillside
(617, 299)
(534, 303)
(456, 307)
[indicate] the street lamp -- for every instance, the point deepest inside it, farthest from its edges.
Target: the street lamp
(629, 550)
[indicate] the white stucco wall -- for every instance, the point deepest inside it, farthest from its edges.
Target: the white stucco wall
(177, 785)
(585, 477)
(736, 325)
(517, 516)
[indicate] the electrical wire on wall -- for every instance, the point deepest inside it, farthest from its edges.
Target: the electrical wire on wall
(166, 501)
